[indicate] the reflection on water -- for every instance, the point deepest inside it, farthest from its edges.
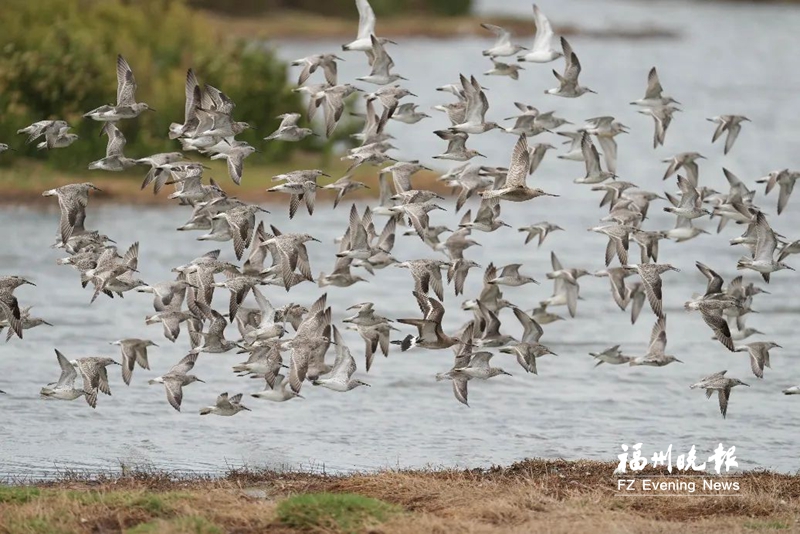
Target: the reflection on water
(725, 62)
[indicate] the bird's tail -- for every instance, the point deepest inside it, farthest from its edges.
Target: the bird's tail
(175, 130)
(205, 411)
(406, 343)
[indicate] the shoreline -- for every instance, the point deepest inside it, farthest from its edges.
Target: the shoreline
(289, 25)
(24, 183)
(529, 496)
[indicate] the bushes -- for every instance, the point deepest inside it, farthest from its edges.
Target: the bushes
(340, 8)
(437, 7)
(57, 60)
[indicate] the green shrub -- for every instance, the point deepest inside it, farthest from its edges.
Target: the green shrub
(18, 494)
(438, 7)
(338, 512)
(339, 8)
(58, 57)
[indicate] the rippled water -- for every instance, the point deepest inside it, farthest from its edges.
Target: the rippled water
(726, 61)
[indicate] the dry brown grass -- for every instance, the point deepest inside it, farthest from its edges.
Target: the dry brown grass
(530, 496)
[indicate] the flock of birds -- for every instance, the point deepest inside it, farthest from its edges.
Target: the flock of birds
(274, 258)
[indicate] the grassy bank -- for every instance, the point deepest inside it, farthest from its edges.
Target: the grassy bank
(24, 182)
(530, 496)
(310, 26)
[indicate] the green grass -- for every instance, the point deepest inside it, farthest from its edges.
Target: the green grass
(774, 524)
(342, 512)
(17, 495)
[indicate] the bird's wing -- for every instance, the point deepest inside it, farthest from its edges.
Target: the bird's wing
(724, 395)
(116, 140)
(719, 325)
(503, 35)
(784, 193)
(68, 372)
(590, 156)
(652, 286)
(460, 388)
(654, 88)
(637, 305)
(126, 83)
(520, 163)
(765, 246)
(185, 365)
(573, 69)
(658, 337)
(366, 19)
(544, 31)
(532, 331)
(223, 401)
(757, 359)
(128, 361)
(722, 125)
(480, 359)
(192, 90)
(733, 133)
(572, 298)
(714, 280)
(174, 389)
(609, 147)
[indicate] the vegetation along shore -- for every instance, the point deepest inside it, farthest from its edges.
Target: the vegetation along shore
(529, 496)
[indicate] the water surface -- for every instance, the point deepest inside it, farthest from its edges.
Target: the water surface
(730, 59)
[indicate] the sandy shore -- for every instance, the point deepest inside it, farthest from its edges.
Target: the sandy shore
(530, 496)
